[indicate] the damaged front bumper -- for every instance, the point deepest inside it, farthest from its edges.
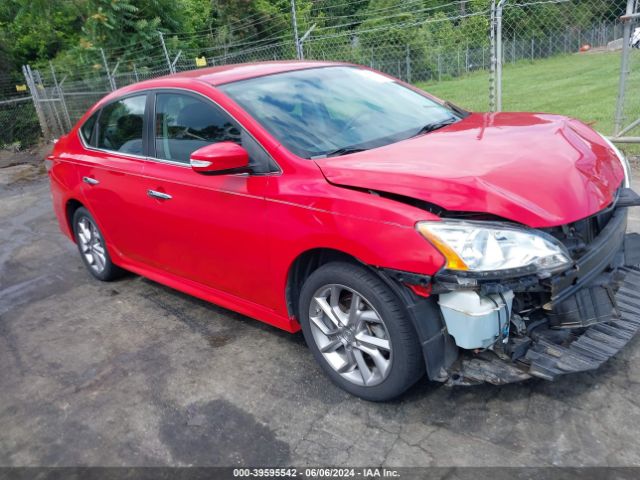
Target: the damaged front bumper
(570, 322)
(550, 355)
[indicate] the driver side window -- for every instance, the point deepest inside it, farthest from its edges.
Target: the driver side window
(184, 123)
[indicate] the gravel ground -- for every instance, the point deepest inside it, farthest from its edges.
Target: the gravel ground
(132, 373)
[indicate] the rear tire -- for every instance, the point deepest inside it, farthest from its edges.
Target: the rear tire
(359, 332)
(92, 247)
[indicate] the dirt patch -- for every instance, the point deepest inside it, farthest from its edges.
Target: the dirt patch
(32, 156)
(20, 173)
(22, 165)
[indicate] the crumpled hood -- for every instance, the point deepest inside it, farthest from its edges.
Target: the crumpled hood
(536, 169)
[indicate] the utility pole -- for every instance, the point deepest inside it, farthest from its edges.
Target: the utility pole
(294, 21)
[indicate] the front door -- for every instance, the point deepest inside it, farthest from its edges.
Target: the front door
(206, 228)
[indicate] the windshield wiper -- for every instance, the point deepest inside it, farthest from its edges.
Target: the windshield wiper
(430, 127)
(459, 110)
(341, 151)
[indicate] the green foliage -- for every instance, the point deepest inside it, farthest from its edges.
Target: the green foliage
(35, 29)
(20, 123)
(72, 32)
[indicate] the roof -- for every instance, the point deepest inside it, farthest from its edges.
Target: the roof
(233, 73)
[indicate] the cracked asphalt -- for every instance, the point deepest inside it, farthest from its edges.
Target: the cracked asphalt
(132, 373)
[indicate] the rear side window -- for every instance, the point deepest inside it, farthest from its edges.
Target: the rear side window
(87, 129)
(121, 125)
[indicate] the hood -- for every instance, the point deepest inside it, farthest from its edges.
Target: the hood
(536, 169)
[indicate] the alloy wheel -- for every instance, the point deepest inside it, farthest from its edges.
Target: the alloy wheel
(350, 334)
(91, 245)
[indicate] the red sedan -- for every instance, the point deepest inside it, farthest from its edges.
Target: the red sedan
(402, 234)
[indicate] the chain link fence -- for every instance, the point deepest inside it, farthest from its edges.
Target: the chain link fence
(552, 28)
(19, 125)
(412, 42)
(627, 121)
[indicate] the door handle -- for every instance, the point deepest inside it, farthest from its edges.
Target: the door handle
(90, 181)
(160, 195)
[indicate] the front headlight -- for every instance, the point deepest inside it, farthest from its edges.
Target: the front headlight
(623, 161)
(489, 246)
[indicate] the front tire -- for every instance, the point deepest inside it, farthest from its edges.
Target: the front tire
(92, 247)
(359, 332)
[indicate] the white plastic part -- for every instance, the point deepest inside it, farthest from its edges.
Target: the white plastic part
(475, 321)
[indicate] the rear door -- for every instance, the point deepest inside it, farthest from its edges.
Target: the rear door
(110, 168)
(206, 228)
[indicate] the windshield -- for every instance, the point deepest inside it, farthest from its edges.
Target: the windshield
(331, 111)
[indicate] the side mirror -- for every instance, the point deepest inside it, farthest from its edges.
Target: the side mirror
(220, 158)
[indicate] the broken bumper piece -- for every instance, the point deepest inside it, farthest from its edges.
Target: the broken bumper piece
(550, 355)
(597, 344)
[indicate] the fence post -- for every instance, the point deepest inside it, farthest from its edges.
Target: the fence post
(624, 69)
(302, 40)
(113, 76)
(106, 67)
(28, 76)
(53, 109)
(532, 46)
(492, 60)
(48, 107)
(175, 61)
(408, 63)
(466, 59)
(294, 21)
(61, 96)
(166, 54)
(135, 72)
(579, 38)
(439, 67)
(499, 54)
(49, 110)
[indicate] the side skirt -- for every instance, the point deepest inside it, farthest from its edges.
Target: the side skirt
(212, 295)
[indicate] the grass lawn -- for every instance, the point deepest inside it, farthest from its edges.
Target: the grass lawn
(583, 86)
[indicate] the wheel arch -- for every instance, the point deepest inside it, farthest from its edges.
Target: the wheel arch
(438, 347)
(304, 265)
(71, 205)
